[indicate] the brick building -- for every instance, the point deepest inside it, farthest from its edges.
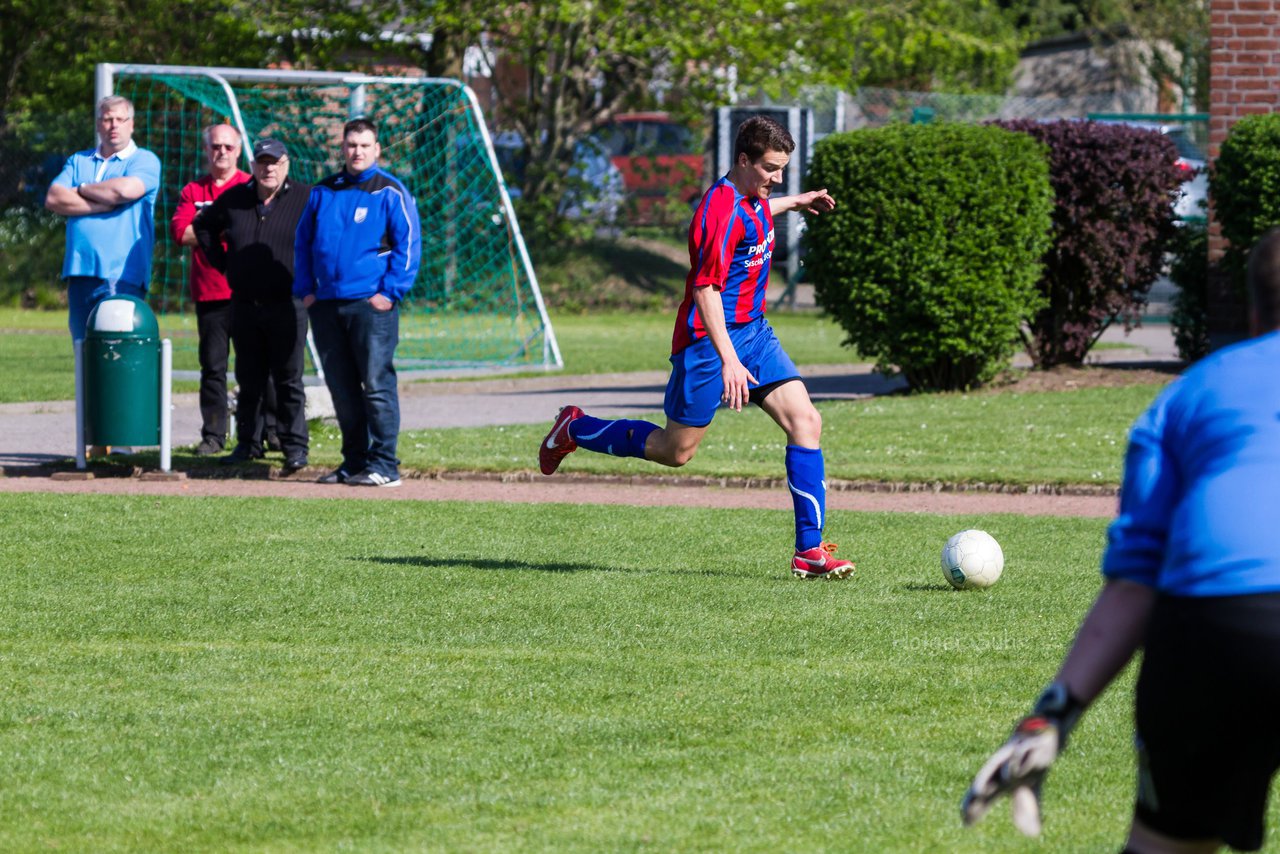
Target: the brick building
(1244, 78)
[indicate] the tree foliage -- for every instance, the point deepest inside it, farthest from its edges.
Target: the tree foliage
(1180, 25)
(583, 61)
(930, 260)
(562, 67)
(921, 45)
(1114, 188)
(48, 48)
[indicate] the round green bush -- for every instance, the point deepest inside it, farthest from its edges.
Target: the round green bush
(1114, 190)
(1244, 186)
(930, 260)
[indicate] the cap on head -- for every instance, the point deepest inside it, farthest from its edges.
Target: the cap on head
(269, 148)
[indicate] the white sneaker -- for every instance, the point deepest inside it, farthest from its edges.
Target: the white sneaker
(369, 477)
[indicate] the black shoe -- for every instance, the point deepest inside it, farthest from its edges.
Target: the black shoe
(335, 476)
(241, 454)
(273, 442)
(208, 448)
(294, 463)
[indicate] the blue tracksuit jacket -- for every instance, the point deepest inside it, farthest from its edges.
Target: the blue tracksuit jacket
(359, 236)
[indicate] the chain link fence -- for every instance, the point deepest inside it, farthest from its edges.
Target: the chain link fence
(835, 110)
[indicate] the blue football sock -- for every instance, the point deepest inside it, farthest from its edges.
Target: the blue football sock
(621, 438)
(806, 478)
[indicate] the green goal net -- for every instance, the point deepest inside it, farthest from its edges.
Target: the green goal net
(475, 304)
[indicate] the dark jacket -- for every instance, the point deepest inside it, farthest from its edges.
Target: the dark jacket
(258, 260)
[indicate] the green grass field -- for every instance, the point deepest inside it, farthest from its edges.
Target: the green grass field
(186, 674)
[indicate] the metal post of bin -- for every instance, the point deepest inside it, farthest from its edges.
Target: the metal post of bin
(166, 404)
(82, 461)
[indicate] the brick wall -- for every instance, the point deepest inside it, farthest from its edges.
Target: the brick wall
(1244, 78)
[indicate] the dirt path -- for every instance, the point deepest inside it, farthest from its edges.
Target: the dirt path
(639, 492)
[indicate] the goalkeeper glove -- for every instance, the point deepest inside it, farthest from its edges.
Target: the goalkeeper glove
(1019, 767)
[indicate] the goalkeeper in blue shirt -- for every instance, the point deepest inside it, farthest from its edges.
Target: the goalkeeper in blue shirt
(1192, 576)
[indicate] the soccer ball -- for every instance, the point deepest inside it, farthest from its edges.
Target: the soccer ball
(972, 559)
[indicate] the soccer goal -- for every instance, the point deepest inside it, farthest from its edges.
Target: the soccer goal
(475, 305)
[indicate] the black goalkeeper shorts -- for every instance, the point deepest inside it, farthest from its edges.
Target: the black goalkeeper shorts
(1207, 706)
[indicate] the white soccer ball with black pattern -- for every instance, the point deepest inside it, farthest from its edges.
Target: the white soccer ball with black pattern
(972, 559)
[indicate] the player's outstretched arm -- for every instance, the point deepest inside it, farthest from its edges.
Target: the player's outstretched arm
(814, 202)
(1107, 639)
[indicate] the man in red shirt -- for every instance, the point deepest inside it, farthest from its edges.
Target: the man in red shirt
(209, 288)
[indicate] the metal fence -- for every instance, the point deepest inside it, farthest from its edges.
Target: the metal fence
(835, 110)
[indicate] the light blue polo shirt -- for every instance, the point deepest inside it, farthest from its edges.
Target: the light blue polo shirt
(115, 245)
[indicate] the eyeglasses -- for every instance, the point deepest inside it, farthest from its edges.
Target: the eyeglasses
(222, 146)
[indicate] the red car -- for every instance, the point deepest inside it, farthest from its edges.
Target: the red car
(662, 165)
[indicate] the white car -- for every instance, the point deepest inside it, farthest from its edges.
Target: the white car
(1191, 159)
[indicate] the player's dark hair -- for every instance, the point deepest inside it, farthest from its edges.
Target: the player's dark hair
(1264, 279)
(359, 125)
(759, 134)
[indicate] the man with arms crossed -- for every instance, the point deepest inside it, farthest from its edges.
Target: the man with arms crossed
(1192, 575)
(356, 255)
(724, 350)
(108, 195)
(209, 290)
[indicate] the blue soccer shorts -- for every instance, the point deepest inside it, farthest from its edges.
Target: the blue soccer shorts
(696, 383)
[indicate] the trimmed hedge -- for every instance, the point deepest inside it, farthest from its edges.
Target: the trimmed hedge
(1244, 185)
(1114, 187)
(1190, 272)
(930, 260)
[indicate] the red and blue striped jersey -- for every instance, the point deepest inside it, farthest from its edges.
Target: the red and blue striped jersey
(730, 244)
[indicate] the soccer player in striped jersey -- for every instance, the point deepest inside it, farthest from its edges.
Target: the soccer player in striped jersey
(724, 351)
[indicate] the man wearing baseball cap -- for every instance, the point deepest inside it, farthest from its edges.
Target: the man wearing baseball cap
(268, 326)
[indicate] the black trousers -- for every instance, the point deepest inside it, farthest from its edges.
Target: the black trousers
(269, 338)
(1205, 705)
(213, 323)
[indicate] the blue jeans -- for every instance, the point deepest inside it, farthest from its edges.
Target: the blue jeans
(357, 344)
(85, 292)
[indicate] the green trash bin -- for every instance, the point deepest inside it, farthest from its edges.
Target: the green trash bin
(122, 373)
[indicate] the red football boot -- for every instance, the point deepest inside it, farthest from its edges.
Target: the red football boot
(558, 443)
(819, 563)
